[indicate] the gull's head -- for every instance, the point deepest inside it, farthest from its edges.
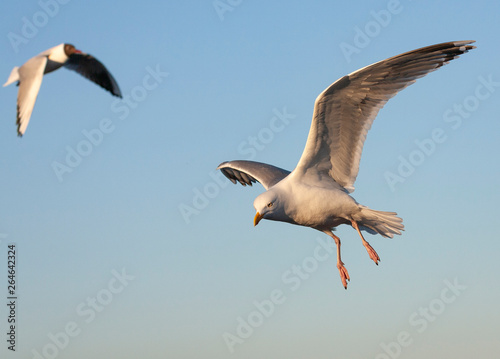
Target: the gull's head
(268, 206)
(70, 49)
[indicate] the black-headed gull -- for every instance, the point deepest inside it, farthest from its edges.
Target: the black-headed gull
(29, 77)
(315, 193)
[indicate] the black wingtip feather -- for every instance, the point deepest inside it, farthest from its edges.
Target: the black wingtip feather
(92, 69)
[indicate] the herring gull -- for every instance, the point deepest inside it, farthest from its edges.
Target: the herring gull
(316, 193)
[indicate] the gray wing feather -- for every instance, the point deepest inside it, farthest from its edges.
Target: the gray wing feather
(249, 172)
(345, 111)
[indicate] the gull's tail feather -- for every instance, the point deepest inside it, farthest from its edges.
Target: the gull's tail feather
(14, 76)
(387, 224)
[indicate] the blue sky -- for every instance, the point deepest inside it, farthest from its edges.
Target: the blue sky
(108, 264)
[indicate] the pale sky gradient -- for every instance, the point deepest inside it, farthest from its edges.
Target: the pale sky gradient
(105, 254)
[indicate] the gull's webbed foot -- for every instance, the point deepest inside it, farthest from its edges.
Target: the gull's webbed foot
(371, 252)
(344, 276)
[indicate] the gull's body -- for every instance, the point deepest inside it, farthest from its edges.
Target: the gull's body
(316, 193)
(29, 77)
(334, 199)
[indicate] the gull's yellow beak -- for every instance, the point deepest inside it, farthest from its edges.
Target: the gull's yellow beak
(257, 218)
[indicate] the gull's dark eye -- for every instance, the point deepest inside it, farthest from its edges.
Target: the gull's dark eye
(270, 204)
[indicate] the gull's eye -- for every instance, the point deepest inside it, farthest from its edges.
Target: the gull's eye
(270, 204)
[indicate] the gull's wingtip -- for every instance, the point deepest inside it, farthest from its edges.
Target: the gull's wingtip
(465, 45)
(115, 91)
(221, 165)
(227, 173)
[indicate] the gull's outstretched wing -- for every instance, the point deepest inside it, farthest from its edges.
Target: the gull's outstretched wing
(91, 68)
(30, 80)
(345, 111)
(248, 172)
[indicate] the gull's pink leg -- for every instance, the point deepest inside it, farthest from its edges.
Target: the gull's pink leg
(344, 276)
(371, 252)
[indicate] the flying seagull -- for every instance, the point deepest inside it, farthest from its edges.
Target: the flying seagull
(29, 77)
(316, 193)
